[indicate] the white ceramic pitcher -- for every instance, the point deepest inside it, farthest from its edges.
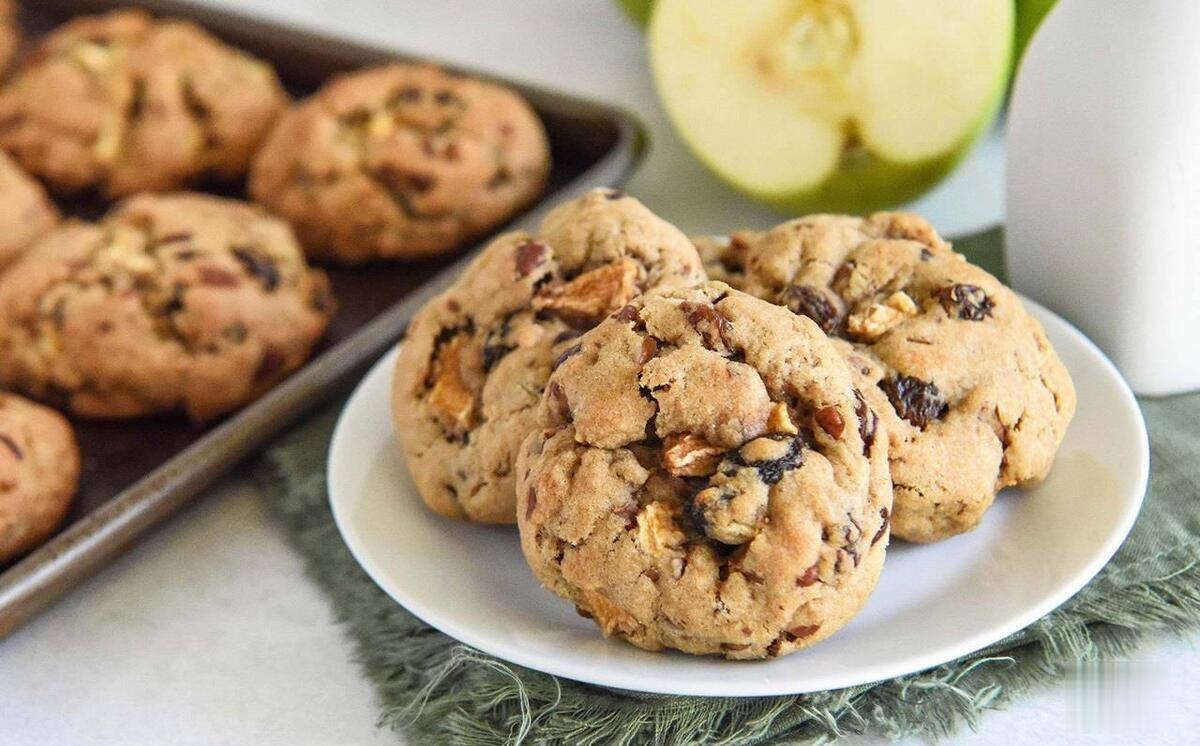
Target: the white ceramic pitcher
(1103, 184)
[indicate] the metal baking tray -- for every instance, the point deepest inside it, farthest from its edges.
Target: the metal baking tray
(138, 473)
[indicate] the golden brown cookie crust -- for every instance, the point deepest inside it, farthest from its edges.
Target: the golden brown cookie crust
(706, 478)
(128, 104)
(476, 358)
(180, 301)
(10, 34)
(400, 162)
(974, 397)
(39, 473)
(26, 212)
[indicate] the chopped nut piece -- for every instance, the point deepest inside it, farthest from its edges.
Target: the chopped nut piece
(450, 397)
(657, 532)
(677, 566)
(875, 320)
(586, 300)
(830, 420)
(690, 455)
(779, 421)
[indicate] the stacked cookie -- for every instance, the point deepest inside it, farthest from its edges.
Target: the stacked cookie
(716, 465)
(184, 302)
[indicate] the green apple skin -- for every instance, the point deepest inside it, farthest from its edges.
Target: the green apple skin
(864, 182)
(1029, 16)
(637, 10)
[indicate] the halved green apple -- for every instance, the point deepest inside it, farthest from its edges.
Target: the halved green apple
(831, 105)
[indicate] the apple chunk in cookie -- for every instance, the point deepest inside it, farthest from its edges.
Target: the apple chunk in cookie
(705, 477)
(815, 105)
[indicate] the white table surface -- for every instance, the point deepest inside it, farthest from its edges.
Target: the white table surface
(208, 633)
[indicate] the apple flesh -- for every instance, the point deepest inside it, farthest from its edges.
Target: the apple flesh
(831, 105)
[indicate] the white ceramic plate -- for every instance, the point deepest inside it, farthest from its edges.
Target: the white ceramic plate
(933, 603)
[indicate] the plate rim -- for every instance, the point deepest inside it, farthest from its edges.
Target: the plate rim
(702, 688)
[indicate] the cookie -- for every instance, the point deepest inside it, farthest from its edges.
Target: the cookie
(401, 162)
(10, 34)
(172, 302)
(39, 474)
(724, 259)
(26, 212)
(476, 358)
(973, 395)
(128, 104)
(705, 477)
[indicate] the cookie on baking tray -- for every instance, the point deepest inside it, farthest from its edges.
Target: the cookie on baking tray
(476, 358)
(973, 395)
(400, 162)
(172, 302)
(706, 477)
(26, 211)
(127, 103)
(39, 473)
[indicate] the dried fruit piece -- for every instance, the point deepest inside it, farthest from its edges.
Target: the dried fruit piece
(217, 277)
(810, 576)
(915, 400)
(567, 354)
(968, 302)
(452, 400)
(690, 455)
(886, 517)
(709, 323)
(868, 421)
(560, 408)
(261, 267)
(586, 300)
(530, 256)
(806, 300)
(773, 456)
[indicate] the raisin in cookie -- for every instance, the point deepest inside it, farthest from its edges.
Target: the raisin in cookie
(974, 397)
(400, 162)
(476, 359)
(26, 211)
(706, 478)
(39, 473)
(131, 104)
(172, 302)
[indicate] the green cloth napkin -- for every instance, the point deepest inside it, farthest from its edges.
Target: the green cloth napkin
(437, 690)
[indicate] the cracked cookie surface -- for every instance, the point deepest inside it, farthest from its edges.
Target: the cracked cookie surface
(180, 301)
(705, 477)
(401, 161)
(130, 104)
(39, 473)
(974, 397)
(475, 361)
(26, 211)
